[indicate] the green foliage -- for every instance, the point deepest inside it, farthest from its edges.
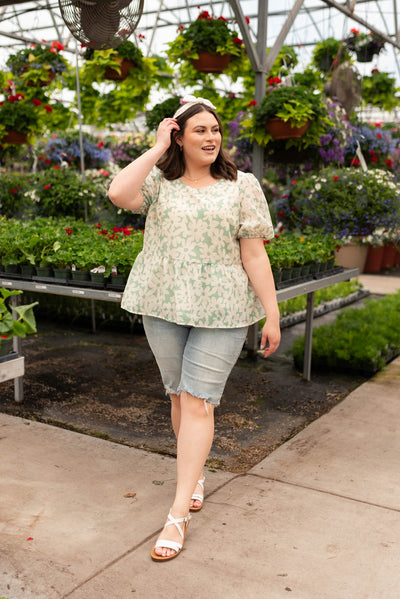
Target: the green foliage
(296, 104)
(128, 96)
(379, 89)
(63, 242)
(329, 53)
(292, 248)
(321, 296)
(286, 60)
(35, 66)
(12, 189)
(21, 326)
(345, 201)
(360, 340)
(161, 111)
(20, 114)
(206, 33)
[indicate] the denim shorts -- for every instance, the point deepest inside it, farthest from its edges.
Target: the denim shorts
(195, 360)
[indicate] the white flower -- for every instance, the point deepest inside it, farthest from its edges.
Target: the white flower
(317, 186)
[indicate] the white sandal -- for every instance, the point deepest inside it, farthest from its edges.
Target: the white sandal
(198, 497)
(177, 547)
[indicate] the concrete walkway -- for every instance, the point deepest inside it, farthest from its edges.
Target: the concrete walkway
(319, 518)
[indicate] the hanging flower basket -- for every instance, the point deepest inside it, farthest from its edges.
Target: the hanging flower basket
(112, 74)
(15, 138)
(211, 63)
(366, 54)
(41, 82)
(283, 129)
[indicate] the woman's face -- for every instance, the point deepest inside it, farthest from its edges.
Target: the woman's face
(201, 139)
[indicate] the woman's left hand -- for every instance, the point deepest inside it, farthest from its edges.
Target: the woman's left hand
(270, 337)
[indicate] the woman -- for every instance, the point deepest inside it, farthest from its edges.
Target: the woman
(203, 276)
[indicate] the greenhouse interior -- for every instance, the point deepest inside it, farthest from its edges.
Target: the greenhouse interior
(82, 97)
(301, 488)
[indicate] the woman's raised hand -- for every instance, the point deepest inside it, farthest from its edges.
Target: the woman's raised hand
(165, 128)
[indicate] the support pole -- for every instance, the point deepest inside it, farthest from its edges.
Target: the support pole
(17, 347)
(308, 336)
(78, 97)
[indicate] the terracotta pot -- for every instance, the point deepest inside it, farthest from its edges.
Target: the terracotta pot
(374, 259)
(13, 137)
(211, 63)
(283, 130)
(389, 255)
(352, 256)
(113, 75)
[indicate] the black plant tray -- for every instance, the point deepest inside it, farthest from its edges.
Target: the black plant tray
(90, 284)
(328, 273)
(15, 275)
(115, 287)
(310, 277)
(295, 281)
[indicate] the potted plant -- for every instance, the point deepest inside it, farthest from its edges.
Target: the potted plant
(379, 89)
(365, 45)
(293, 113)
(19, 119)
(328, 54)
(209, 44)
(37, 66)
(115, 64)
(21, 326)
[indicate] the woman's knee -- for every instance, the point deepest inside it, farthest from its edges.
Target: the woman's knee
(196, 406)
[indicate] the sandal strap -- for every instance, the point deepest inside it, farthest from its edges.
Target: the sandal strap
(169, 545)
(197, 497)
(176, 522)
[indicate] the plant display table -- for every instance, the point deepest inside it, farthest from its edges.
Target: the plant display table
(306, 288)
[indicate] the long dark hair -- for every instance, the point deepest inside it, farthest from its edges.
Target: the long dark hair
(172, 163)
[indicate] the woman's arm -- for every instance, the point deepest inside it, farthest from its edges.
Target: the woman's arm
(256, 264)
(124, 190)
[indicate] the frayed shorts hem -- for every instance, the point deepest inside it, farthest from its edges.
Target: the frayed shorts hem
(212, 401)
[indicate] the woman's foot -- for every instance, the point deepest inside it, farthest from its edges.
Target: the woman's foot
(170, 542)
(197, 500)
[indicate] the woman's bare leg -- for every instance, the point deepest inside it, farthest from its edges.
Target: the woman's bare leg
(176, 420)
(195, 437)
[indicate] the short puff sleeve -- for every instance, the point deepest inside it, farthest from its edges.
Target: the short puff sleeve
(254, 219)
(150, 189)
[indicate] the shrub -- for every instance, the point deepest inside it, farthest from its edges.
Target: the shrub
(360, 340)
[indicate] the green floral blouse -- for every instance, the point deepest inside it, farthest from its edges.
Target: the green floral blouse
(189, 270)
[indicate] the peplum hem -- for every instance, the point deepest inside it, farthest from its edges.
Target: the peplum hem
(211, 295)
